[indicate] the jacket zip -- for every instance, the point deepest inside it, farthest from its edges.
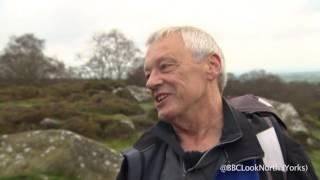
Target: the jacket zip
(186, 171)
(246, 159)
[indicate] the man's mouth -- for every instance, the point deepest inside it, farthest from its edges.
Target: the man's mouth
(160, 97)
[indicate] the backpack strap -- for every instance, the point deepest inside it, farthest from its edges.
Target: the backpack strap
(268, 127)
(251, 104)
(135, 162)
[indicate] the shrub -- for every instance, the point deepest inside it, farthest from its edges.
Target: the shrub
(107, 103)
(106, 84)
(85, 127)
(20, 92)
(18, 114)
(137, 77)
(153, 114)
(7, 127)
(38, 177)
(63, 89)
(116, 128)
(143, 122)
(59, 110)
(122, 106)
(312, 109)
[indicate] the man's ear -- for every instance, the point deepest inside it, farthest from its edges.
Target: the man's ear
(214, 66)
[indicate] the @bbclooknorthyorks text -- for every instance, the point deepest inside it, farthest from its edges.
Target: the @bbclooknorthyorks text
(262, 167)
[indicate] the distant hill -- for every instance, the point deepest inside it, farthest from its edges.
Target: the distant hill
(301, 76)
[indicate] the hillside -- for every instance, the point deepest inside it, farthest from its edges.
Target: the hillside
(109, 112)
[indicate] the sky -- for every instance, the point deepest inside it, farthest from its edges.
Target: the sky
(274, 35)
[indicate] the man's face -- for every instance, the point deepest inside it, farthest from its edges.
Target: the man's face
(177, 82)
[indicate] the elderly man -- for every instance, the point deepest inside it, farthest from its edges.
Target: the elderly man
(200, 135)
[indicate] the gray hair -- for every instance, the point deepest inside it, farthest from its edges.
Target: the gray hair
(199, 42)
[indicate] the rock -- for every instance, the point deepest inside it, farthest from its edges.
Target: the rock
(57, 152)
(314, 143)
(124, 93)
(116, 90)
(290, 116)
(99, 96)
(51, 123)
(117, 125)
(139, 93)
(128, 123)
(296, 127)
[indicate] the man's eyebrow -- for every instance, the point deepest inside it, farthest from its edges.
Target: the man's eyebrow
(166, 59)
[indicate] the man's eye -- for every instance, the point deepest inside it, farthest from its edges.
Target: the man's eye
(165, 66)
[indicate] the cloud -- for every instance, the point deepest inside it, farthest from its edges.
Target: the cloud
(268, 34)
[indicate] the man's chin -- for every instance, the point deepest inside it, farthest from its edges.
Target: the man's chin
(165, 116)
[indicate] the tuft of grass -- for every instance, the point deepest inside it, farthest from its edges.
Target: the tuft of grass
(26, 103)
(110, 117)
(38, 177)
(146, 106)
(120, 144)
(313, 125)
(315, 158)
(315, 132)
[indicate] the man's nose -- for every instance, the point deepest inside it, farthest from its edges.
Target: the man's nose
(153, 81)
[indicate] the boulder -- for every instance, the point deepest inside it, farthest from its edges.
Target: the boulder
(51, 123)
(290, 116)
(124, 93)
(117, 125)
(57, 152)
(139, 93)
(296, 127)
(128, 123)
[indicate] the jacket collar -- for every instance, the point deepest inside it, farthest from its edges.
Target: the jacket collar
(238, 140)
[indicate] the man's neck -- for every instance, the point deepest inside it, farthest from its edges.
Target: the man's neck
(202, 129)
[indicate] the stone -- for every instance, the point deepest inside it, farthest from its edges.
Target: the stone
(296, 127)
(139, 93)
(313, 143)
(128, 123)
(290, 116)
(51, 123)
(124, 93)
(57, 152)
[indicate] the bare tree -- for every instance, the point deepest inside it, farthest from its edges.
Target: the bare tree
(23, 58)
(137, 76)
(113, 56)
